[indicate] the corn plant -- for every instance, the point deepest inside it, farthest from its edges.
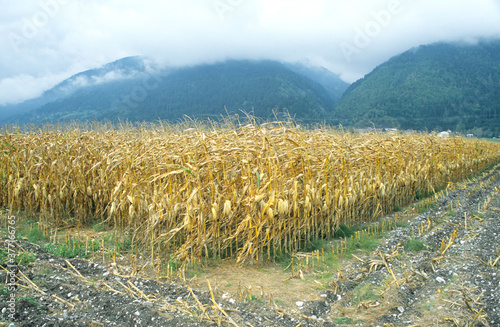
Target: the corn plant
(245, 192)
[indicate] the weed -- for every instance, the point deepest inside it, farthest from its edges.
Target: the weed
(25, 258)
(316, 244)
(3, 290)
(280, 303)
(98, 227)
(35, 235)
(110, 238)
(401, 223)
(22, 257)
(254, 298)
(346, 320)
(283, 258)
(47, 271)
(197, 270)
(3, 256)
(478, 214)
(343, 232)
(414, 245)
(364, 293)
(72, 248)
(174, 264)
(30, 300)
(366, 244)
(420, 195)
(425, 208)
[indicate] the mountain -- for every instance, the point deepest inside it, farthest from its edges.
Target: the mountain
(128, 67)
(434, 87)
(330, 82)
(129, 89)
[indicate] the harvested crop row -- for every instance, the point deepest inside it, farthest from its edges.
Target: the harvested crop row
(244, 192)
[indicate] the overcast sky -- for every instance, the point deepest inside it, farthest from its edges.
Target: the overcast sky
(45, 41)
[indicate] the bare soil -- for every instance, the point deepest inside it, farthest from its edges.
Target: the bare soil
(453, 280)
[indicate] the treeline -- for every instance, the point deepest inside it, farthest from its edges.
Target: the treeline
(211, 91)
(434, 87)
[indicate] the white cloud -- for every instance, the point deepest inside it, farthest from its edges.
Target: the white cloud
(20, 87)
(47, 39)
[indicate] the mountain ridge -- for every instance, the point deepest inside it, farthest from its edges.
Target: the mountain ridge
(438, 86)
(257, 87)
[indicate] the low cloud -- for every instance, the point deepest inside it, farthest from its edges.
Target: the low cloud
(46, 40)
(21, 87)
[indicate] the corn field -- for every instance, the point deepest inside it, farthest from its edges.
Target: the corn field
(245, 192)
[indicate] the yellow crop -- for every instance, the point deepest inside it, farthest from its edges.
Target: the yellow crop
(239, 191)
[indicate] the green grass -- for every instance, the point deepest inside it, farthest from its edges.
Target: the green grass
(343, 232)
(197, 270)
(25, 258)
(280, 303)
(364, 293)
(35, 235)
(72, 248)
(316, 244)
(254, 298)
(491, 139)
(414, 245)
(3, 289)
(365, 244)
(117, 244)
(425, 208)
(22, 258)
(401, 223)
(98, 227)
(30, 299)
(346, 320)
(397, 209)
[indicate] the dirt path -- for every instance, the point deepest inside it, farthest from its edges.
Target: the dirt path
(450, 278)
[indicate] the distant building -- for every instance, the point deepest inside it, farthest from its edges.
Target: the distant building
(443, 134)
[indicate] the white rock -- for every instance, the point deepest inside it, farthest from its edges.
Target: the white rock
(299, 303)
(401, 309)
(137, 313)
(440, 280)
